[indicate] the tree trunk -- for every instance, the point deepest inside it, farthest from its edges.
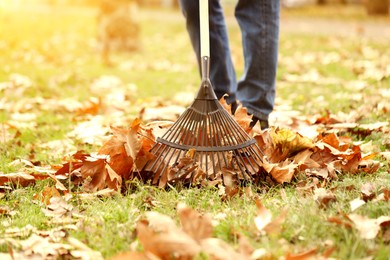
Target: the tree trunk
(377, 7)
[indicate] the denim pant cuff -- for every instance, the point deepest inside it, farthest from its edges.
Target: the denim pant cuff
(257, 114)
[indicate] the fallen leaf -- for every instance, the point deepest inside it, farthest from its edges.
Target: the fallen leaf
(113, 180)
(59, 185)
(290, 141)
(48, 193)
(276, 226)
(197, 226)
(120, 162)
(4, 210)
(131, 255)
(368, 228)
(323, 197)
(164, 245)
(368, 191)
(310, 254)
(283, 172)
(356, 203)
(263, 219)
(18, 178)
(218, 249)
(243, 118)
(57, 208)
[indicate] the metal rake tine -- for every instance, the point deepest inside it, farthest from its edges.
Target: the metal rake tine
(236, 152)
(218, 143)
(155, 153)
(235, 128)
(168, 163)
(226, 130)
(212, 138)
(163, 160)
(246, 154)
(197, 118)
(257, 154)
(187, 135)
(174, 133)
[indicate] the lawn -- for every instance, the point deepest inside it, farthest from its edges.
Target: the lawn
(58, 97)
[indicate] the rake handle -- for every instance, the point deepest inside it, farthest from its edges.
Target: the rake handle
(204, 28)
(206, 90)
(204, 39)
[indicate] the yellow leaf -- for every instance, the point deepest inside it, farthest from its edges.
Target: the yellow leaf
(290, 141)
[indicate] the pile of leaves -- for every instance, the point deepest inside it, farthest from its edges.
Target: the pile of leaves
(288, 154)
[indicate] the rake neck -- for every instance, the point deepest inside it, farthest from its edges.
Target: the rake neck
(206, 89)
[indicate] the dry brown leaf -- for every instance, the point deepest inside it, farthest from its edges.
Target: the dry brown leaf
(218, 249)
(4, 210)
(198, 226)
(332, 140)
(386, 194)
(340, 221)
(310, 254)
(304, 161)
(94, 173)
(51, 244)
(367, 191)
(224, 104)
(167, 244)
(104, 193)
(57, 208)
(120, 162)
(377, 126)
(158, 128)
(263, 216)
(323, 197)
(113, 180)
(130, 138)
(276, 226)
(243, 118)
(368, 228)
(160, 223)
(47, 193)
(368, 166)
(131, 256)
(356, 203)
(90, 107)
(59, 185)
(18, 178)
(281, 173)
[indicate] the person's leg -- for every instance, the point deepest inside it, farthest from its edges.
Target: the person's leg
(259, 23)
(222, 73)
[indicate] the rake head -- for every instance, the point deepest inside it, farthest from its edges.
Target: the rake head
(205, 141)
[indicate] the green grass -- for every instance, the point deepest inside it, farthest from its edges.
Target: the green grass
(64, 64)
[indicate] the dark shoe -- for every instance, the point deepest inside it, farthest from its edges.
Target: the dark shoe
(263, 123)
(233, 107)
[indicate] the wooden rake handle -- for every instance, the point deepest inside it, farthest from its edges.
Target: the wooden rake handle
(204, 28)
(204, 41)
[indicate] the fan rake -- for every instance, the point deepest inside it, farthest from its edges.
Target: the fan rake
(205, 135)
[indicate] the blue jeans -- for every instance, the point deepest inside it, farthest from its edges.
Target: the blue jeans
(259, 24)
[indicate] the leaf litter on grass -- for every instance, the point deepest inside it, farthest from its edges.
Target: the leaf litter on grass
(122, 157)
(305, 151)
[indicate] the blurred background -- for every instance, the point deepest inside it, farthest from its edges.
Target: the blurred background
(63, 47)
